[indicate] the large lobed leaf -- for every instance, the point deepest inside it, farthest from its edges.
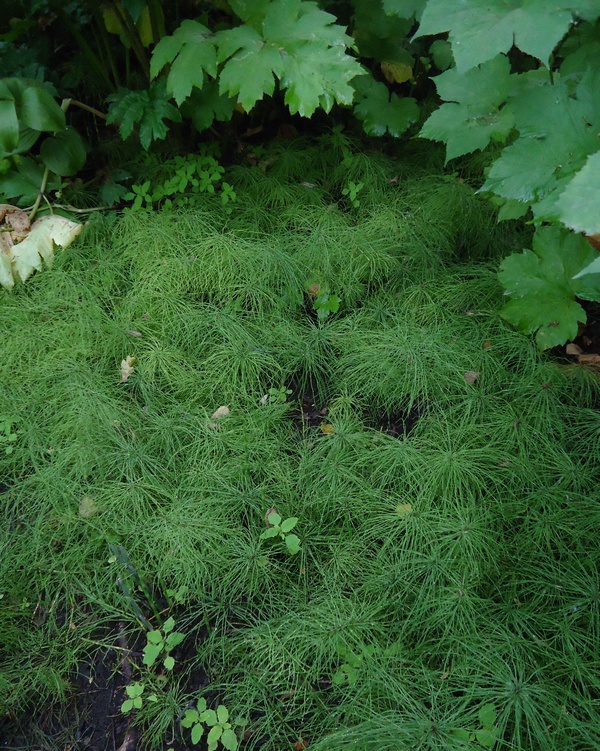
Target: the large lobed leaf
(148, 108)
(473, 113)
(191, 52)
(557, 133)
(300, 45)
(543, 289)
(381, 111)
(480, 29)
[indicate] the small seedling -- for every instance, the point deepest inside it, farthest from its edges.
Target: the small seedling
(8, 435)
(349, 670)
(136, 699)
(352, 192)
(162, 641)
(487, 735)
(281, 528)
(323, 301)
(276, 396)
(177, 595)
(221, 729)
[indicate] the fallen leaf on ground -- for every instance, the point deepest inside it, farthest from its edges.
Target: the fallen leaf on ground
(327, 428)
(403, 509)
(87, 507)
(471, 376)
(127, 367)
(573, 349)
(589, 359)
(221, 412)
(23, 248)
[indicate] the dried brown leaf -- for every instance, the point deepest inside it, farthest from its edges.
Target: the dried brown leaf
(589, 359)
(471, 376)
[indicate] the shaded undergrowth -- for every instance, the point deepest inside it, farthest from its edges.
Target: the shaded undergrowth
(443, 473)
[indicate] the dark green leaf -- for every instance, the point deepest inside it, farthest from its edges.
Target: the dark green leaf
(206, 105)
(480, 29)
(474, 113)
(9, 126)
(38, 110)
(579, 203)
(381, 111)
(64, 153)
(191, 52)
(543, 290)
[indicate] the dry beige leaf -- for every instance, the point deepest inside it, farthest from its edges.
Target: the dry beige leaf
(314, 290)
(403, 509)
(589, 359)
(471, 376)
(573, 349)
(218, 413)
(87, 507)
(19, 223)
(127, 367)
(23, 248)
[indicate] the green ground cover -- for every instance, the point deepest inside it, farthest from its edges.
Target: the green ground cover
(446, 591)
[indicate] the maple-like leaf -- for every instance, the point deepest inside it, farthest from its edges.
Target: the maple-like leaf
(557, 133)
(383, 111)
(480, 29)
(297, 43)
(148, 108)
(543, 285)
(404, 8)
(579, 204)
(192, 54)
(250, 72)
(473, 113)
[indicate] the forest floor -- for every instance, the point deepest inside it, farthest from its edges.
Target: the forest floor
(296, 432)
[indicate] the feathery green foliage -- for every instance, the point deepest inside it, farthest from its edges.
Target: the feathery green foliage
(446, 566)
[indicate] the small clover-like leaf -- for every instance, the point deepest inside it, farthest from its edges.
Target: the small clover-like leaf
(151, 653)
(127, 705)
(222, 714)
(197, 731)
(229, 740)
(190, 718)
(169, 625)
(209, 716)
(174, 639)
(213, 736)
(293, 544)
(288, 524)
(154, 637)
(274, 518)
(271, 532)
(169, 662)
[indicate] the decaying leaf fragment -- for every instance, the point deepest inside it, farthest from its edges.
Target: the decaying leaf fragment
(221, 412)
(471, 376)
(24, 248)
(217, 415)
(127, 367)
